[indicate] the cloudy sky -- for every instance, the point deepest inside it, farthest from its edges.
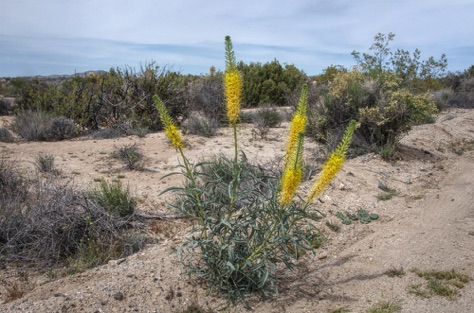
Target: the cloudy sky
(67, 36)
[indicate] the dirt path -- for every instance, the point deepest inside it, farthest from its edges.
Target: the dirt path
(428, 225)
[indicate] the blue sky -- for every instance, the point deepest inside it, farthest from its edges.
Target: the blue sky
(67, 36)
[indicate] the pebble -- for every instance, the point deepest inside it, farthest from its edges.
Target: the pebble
(118, 296)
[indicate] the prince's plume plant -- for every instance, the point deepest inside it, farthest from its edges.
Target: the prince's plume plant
(232, 89)
(245, 218)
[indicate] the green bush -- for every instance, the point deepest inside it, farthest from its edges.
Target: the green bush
(385, 110)
(113, 198)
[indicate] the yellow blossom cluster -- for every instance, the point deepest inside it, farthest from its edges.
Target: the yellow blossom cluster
(171, 130)
(290, 181)
(293, 166)
(233, 91)
(334, 163)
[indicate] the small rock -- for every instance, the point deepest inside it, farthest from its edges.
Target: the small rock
(103, 302)
(322, 256)
(118, 296)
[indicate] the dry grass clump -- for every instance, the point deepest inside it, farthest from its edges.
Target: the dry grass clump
(442, 283)
(131, 156)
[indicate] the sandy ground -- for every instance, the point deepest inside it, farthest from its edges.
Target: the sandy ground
(428, 225)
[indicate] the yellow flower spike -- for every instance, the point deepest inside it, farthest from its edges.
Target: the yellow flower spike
(232, 83)
(293, 174)
(233, 91)
(171, 130)
(334, 163)
(298, 125)
(290, 183)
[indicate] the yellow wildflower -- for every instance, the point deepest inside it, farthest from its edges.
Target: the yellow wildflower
(171, 130)
(291, 179)
(334, 163)
(293, 173)
(233, 91)
(298, 125)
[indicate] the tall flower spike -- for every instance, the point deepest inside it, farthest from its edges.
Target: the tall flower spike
(334, 163)
(171, 130)
(298, 125)
(232, 84)
(293, 174)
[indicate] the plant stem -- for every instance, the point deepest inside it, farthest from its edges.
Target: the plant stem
(190, 175)
(235, 175)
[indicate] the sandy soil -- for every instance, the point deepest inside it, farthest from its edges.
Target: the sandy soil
(428, 225)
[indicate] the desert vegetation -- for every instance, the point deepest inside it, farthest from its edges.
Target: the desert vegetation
(246, 221)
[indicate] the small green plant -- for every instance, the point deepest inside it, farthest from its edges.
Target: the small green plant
(388, 151)
(442, 283)
(45, 163)
(386, 194)
(459, 146)
(385, 307)
(131, 155)
(362, 216)
(114, 198)
(334, 227)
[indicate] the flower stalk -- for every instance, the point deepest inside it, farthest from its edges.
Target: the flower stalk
(334, 163)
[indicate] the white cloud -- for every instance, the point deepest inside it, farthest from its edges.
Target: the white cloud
(307, 33)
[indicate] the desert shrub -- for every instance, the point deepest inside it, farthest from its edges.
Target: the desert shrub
(113, 198)
(106, 133)
(6, 135)
(263, 119)
(200, 124)
(45, 163)
(6, 105)
(62, 128)
(206, 95)
(269, 83)
(34, 126)
(50, 223)
(131, 155)
(442, 97)
(268, 117)
(385, 110)
(13, 192)
(246, 220)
